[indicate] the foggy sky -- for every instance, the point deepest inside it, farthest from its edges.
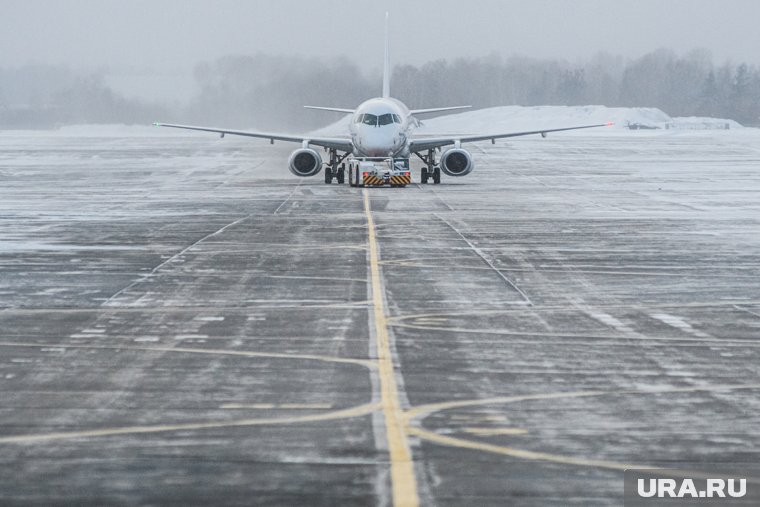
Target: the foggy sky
(174, 35)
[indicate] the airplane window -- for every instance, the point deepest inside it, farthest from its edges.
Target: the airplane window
(369, 119)
(386, 119)
(396, 118)
(358, 118)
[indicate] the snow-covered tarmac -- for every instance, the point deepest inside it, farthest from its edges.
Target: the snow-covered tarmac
(183, 321)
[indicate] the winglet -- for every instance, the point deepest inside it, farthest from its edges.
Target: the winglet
(386, 64)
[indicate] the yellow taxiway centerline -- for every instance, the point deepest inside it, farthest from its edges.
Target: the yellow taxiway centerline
(403, 481)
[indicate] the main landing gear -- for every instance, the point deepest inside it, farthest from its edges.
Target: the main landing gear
(430, 170)
(335, 169)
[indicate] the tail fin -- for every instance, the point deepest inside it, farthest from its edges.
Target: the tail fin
(386, 64)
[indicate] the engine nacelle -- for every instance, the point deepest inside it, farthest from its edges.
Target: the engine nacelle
(457, 162)
(305, 162)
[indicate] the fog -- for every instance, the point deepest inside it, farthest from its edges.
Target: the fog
(151, 57)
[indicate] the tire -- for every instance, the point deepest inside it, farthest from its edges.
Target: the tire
(351, 178)
(424, 176)
(328, 175)
(341, 177)
(437, 175)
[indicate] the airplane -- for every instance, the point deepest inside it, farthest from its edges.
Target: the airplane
(381, 128)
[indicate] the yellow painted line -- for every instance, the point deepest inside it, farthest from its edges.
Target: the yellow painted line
(422, 411)
(558, 458)
(486, 432)
(357, 411)
(518, 453)
(212, 352)
(403, 480)
(271, 406)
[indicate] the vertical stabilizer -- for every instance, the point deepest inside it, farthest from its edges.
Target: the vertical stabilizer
(386, 64)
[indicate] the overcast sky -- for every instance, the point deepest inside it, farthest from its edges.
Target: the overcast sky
(176, 34)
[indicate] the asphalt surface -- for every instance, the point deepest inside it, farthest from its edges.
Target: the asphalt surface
(184, 322)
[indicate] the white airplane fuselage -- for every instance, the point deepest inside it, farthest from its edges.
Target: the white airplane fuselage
(381, 127)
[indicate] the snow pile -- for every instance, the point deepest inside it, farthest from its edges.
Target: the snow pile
(701, 123)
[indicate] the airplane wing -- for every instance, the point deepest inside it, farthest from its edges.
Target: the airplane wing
(421, 144)
(437, 109)
(334, 109)
(337, 143)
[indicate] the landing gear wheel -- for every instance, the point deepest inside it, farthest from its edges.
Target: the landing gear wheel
(341, 177)
(437, 175)
(328, 175)
(424, 176)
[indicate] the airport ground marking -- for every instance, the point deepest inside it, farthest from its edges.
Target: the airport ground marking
(357, 411)
(290, 195)
(416, 263)
(163, 263)
(214, 352)
(729, 342)
(264, 304)
(479, 253)
(515, 453)
(520, 307)
(403, 480)
(428, 325)
(415, 415)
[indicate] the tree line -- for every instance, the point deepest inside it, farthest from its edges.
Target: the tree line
(263, 91)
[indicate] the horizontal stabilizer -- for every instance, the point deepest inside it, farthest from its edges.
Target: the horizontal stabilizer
(438, 109)
(335, 109)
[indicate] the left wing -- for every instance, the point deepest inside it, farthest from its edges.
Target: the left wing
(334, 109)
(422, 144)
(336, 143)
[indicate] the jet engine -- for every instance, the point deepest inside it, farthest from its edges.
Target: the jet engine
(457, 162)
(305, 162)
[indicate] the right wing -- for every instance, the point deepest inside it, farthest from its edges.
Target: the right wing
(336, 143)
(437, 109)
(429, 143)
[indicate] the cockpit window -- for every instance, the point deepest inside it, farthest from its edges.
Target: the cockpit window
(396, 118)
(358, 118)
(369, 119)
(385, 119)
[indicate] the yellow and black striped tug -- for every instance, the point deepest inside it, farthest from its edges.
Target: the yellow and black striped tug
(378, 173)
(377, 181)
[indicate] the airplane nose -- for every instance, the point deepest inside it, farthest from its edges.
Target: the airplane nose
(379, 144)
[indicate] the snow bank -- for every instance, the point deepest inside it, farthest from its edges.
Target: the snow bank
(702, 123)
